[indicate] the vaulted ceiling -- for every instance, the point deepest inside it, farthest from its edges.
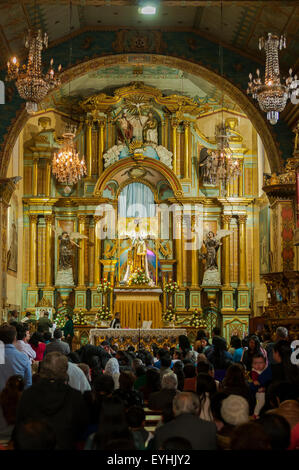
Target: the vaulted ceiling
(242, 21)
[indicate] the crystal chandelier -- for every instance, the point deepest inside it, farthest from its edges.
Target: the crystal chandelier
(31, 83)
(220, 165)
(66, 165)
(272, 95)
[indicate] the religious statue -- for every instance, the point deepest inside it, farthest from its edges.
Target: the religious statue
(137, 256)
(212, 243)
(124, 129)
(66, 254)
(150, 130)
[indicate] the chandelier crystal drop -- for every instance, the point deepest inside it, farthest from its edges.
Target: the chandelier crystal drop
(221, 165)
(67, 166)
(31, 83)
(272, 95)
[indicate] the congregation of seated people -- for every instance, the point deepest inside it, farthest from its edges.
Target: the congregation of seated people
(207, 396)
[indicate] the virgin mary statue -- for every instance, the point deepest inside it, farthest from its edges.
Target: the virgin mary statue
(137, 258)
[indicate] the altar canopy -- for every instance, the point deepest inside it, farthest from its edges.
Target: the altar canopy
(136, 200)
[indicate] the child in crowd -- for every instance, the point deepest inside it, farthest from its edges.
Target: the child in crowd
(260, 376)
(136, 422)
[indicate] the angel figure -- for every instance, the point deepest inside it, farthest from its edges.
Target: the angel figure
(212, 243)
(66, 253)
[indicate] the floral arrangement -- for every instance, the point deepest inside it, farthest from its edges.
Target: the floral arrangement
(197, 320)
(104, 314)
(59, 318)
(138, 277)
(104, 287)
(169, 315)
(79, 318)
(171, 287)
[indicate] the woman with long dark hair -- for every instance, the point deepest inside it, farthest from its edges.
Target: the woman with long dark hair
(206, 388)
(178, 369)
(284, 370)
(219, 357)
(234, 383)
(254, 347)
(38, 345)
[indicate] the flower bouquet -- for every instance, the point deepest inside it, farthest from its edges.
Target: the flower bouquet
(197, 321)
(104, 287)
(169, 315)
(104, 315)
(79, 319)
(171, 287)
(139, 278)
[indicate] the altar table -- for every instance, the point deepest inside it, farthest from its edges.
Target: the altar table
(130, 336)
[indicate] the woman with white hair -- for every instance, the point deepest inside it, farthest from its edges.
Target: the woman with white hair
(112, 369)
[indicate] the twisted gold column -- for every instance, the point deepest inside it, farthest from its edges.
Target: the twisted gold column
(242, 251)
(184, 254)
(48, 178)
(89, 147)
(166, 125)
(81, 267)
(226, 251)
(97, 253)
(49, 221)
(32, 250)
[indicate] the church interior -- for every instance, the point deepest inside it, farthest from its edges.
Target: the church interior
(144, 175)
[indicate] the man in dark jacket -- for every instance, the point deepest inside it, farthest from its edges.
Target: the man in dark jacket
(187, 424)
(68, 330)
(44, 324)
(57, 345)
(52, 401)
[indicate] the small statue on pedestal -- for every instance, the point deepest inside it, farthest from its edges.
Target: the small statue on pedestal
(212, 243)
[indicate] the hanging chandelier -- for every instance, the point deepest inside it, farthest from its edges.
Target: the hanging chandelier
(31, 83)
(66, 165)
(220, 165)
(272, 95)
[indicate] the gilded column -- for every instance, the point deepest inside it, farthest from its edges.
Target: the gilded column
(81, 268)
(49, 256)
(240, 177)
(226, 251)
(178, 246)
(101, 146)
(166, 126)
(242, 252)
(174, 124)
(97, 253)
(195, 264)
(187, 149)
(89, 147)
(35, 176)
(33, 245)
(48, 178)
(184, 254)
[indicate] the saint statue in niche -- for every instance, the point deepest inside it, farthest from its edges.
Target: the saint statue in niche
(66, 253)
(124, 129)
(212, 243)
(150, 130)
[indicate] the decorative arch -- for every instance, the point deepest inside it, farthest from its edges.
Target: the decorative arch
(17, 107)
(126, 163)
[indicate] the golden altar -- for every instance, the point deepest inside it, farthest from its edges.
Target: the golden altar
(131, 302)
(167, 337)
